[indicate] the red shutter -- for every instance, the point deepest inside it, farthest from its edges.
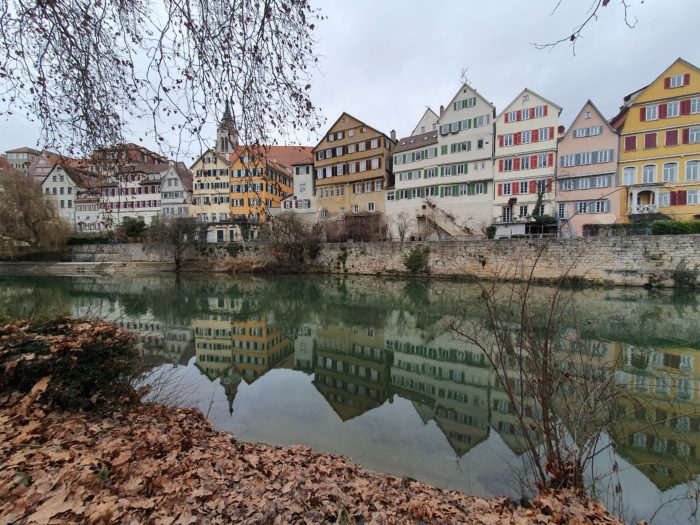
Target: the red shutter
(516, 139)
(672, 137)
(662, 110)
(535, 135)
(667, 82)
(642, 114)
(505, 118)
(549, 185)
(517, 115)
(500, 141)
(500, 168)
(516, 163)
(550, 159)
(533, 161)
(686, 79)
(516, 188)
(686, 136)
(630, 143)
(682, 198)
(533, 186)
(551, 133)
(650, 140)
(673, 198)
(685, 107)
(500, 186)
(544, 110)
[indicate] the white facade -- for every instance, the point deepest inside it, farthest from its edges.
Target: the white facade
(303, 200)
(176, 191)
(525, 159)
(74, 195)
(60, 189)
(444, 177)
(134, 193)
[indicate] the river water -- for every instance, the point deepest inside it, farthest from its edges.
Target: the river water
(367, 368)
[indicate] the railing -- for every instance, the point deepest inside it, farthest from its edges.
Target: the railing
(644, 208)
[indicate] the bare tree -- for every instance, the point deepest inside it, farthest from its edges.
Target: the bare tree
(592, 14)
(177, 234)
(26, 218)
(403, 224)
(294, 239)
(85, 69)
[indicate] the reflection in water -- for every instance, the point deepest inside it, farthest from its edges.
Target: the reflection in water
(365, 367)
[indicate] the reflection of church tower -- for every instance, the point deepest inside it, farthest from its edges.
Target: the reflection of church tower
(230, 381)
(226, 134)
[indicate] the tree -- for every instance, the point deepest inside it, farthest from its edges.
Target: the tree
(26, 218)
(85, 69)
(294, 240)
(176, 234)
(403, 224)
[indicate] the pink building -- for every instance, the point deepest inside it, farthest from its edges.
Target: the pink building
(587, 191)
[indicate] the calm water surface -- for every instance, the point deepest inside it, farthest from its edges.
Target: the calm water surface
(364, 367)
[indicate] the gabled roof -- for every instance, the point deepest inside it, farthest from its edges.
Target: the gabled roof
(184, 174)
(461, 88)
(426, 113)
(6, 167)
(527, 90)
(210, 151)
(81, 178)
(279, 157)
(416, 141)
(598, 112)
(346, 114)
(24, 149)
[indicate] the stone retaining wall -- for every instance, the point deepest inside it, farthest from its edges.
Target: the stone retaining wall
(634, 261)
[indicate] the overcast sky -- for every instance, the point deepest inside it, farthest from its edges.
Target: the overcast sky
(385, 61)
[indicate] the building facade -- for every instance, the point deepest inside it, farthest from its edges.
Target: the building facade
(660, 146)
(352, 166)
(176, 191)
(524, 162)
(75, 195)
(587, 191)
(21, 158)
(303, 199)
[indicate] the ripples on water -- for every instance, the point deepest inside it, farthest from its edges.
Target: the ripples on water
(366, 368)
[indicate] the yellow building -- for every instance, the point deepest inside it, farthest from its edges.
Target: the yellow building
(352, 165)
(659, 129)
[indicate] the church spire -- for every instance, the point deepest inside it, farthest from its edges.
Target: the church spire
(226, 134)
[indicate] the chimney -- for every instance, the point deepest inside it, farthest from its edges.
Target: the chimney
(442, 109)
(393, 135)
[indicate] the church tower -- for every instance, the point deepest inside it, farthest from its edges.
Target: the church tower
(226, 134)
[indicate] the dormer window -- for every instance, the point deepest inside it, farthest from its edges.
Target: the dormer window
(588, 114)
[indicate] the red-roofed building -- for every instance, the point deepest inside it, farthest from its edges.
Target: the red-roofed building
(75, 194)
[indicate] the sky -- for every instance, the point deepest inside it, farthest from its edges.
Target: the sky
(385, 61)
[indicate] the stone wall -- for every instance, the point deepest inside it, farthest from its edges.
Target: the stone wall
(633, 261)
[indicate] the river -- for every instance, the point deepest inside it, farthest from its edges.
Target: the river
(367, 368)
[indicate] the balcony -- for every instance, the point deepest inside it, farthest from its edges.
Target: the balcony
(640, 209)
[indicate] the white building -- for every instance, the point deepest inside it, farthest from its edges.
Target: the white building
(176, 191)
(74, 193)
(444, 171)
(524, 162)
(303, 200)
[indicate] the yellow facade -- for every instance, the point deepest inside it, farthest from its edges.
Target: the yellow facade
(352, 166)
(210, 186)
(660, 146)
(257, 185)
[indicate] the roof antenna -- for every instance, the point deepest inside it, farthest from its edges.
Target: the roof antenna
(463, 76)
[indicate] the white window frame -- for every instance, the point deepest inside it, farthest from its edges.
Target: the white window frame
(694, 105)
(670, 172)
(651, 112)
(672, 109)
(677, 81)
(646, 179)
(370, 206)
(628, 173)
(692, 170)
(692, 197)
(694, 135)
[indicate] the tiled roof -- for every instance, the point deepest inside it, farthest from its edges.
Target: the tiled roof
(82, 178)
(416, 141)
(286, 155)
(6, 167)
(185, 175)
(24, 150)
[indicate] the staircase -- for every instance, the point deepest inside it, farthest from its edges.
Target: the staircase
(443, 221)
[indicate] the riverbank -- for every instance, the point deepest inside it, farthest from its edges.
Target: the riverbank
(666, 261)
(112, 459)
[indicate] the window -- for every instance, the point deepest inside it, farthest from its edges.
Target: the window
(672, 137)
(368, 186)
(543, 134)
(561, 208)
(676, 81)
(523, 187)
(651, 113)
(691, 169)
(506, 214)
(539, 112)
(649, 174)
(692, 197)
(377, 185)
(663, 198)
(695, 105)
(587, 114)
(508, 139)
(390, 195)
(670, 172)
(630, 143)
(629, 176)
(526, 137)
(506, 188)
(479, 143)
(508, 165)
(374, 143)
(672, 109)
(650, 140)
(694, 135)
(370, 206)
(358, 188)
(522, 211)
